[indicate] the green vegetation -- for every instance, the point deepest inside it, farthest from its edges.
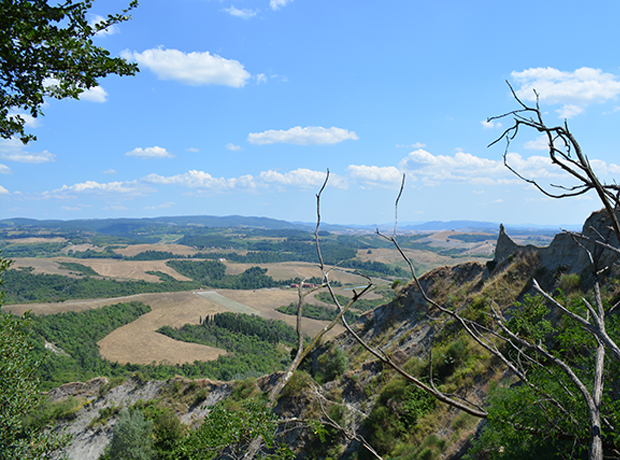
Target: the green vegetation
(132, 439)
(19, 390)
(77, 334)
(81, 269)
(252, 339)
(12, 250)
(253, 343)
(24, 286)
(213, 274)
(472, 237)
(392, 421)
(317, 312)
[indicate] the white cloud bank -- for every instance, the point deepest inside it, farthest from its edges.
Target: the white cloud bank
(302, 136)
(575, 89)
(4, 169)
(201, 179)
(150, 152)
(96, 187)
(375, 174)
(3, 191)
(194, 68)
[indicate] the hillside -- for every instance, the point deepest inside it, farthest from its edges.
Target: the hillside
(341, 383)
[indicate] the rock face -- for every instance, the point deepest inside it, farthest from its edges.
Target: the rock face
(564, 251)
(89, 438)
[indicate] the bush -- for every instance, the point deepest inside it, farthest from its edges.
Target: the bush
(132, 439)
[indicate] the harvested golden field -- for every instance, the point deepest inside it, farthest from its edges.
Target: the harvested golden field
(138, 342)
(135, 249)
(119, 269)
(426, 260)
(288, 270)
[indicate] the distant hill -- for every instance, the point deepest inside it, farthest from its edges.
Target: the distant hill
(126, 226)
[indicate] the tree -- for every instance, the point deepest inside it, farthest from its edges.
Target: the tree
(133, 438)
(19, 394)
(48, 51)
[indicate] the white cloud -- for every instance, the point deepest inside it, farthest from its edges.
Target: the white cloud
(244, 13)
(301, 177)
(94, 94)
(416, 145)
(95, 187)
(3, 191)
(150, 152)
(540, 143)
(4, 169)
(574, 89)
(261, 78)
(13, 150)
(96, 19)
(465, 167)
(302, 136)
(569, 110)
(233, 148)
(490, 124)
(109, 171)
(201, 179)
(191, 68)
(192, 149)
(277, 4)
(375, 174)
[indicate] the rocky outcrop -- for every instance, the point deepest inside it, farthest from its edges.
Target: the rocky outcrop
(90, 434)
(564, 251)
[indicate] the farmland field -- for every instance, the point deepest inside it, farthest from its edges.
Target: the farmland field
(138, 342)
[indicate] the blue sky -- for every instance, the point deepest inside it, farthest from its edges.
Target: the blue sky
(240, 107)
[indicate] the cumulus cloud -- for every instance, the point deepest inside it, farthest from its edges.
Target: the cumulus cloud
(4, 169)
(233, 148)
(244, 13)
(302, 136)
(277, 4)
(94, 94)
(375, 174)
(569, 110)
(150, 152)
(301, 177)
(465, 167)
(3, 191)
(91, 186)
(13, 150)
(201, 179)
(197, 68)
(192, 149)
(575, 89)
